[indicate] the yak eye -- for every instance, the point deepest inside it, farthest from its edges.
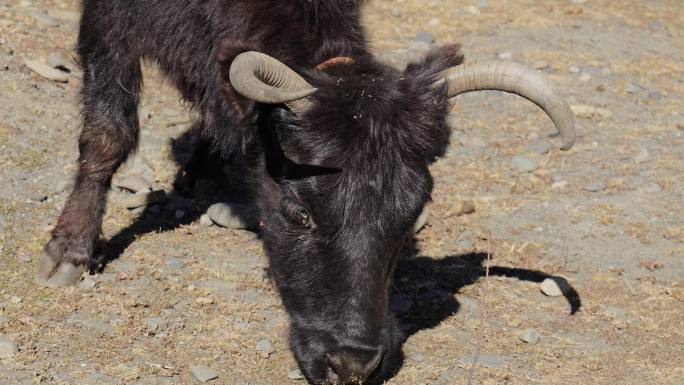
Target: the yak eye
(296, 213)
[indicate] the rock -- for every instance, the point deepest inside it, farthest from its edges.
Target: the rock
(655, 95)
(206, 221)
(295, 375)
(36, 197)
(134, 183)
(157, 324)
(46, 71)
(561, 184)
(395, 12)
(234, 215)
(473, 10)
(87, 283)
(530, 336)
(417, 357)
(265, 346)
(540, 64)
(16, 300)
(204, 300)
(642, 156)
(595, 187)
(484, 359)
(144, 198)
(574, 70)
(3, 222)
(25, 258)
(588, 112)
(44, 20)
(467, 207)
(425, 37)
(203, 373)
(422, 220)
(505, 55)
(466, 244)
(399, 304)
(584, 77)
(522, 163)
(539, 147)
(468, 308)
(555, 286)
(633, 88)
(7, 348)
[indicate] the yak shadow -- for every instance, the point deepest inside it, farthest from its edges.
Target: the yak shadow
(423, 291)
(204, 178)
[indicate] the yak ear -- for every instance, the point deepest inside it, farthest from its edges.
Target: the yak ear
(436, 61)
(226, 51)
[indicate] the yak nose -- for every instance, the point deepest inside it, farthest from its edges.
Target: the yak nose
(353, 365)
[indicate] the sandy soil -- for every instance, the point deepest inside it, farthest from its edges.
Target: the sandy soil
(606, 216)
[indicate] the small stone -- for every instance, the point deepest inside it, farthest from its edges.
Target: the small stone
(144, 198)
(505, 55)
(473, 10)
(425, 37)
(157, 324)
(134, 183)
(561, 184)
(417, 357)
(265, 346)
(433, 22)
(554, 287)
(642, 156)
(487, 360)
(16, 300)
(585, 77)
(36, 197)
(530, 336)
(44, 20)
(601, 88)
(522, 163)
(25, 258)
(595, 187)
(633, 88)
(206, 221)
(203, 373)
(540, 64)
(539, 147)
(7, 348)
(395, 12)
(574, 70)
(204, 300)
(467, 207)
(87, 283)
(46, 71)
(655, 95)
(234, 215)
(295, 375)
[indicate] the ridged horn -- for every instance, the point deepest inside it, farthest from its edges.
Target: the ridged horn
(518, 79)
(264, 79)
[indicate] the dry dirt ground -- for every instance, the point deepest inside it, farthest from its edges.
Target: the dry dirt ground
(606, 216)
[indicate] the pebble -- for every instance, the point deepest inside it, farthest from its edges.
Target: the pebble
(87, 284)
(44, 20)
(7, 348)
(633, 88)
(554, 287)
(265, 346)
(204, 300)
(505, 55)
(233, 215)
(134, 183)
(35, 197)
(574, 70)
(16, 300)
(655, 95)
(466, 244)
(561, 184)
(395, 12)
(417, 357)
(144, 198)
(46, 71)
(595, 187)
(25, 258)
(587, 111)
(206, 221)
(157, 324)
(540, 64)
(425, 37)
(642, 156)
(467, 207)
(295, 375)
(539, 147)
(203, 373)
(473, 10)
(530, 336)
(488, 360)
(585, 77)
(522, 163)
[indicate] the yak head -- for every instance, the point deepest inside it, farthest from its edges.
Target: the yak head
(344, 176)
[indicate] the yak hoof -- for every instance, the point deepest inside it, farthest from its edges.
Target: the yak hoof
(58, 274)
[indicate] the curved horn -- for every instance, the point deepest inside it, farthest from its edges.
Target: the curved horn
(517, 79)
(266, 80)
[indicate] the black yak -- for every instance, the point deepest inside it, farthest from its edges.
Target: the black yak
(338, 146)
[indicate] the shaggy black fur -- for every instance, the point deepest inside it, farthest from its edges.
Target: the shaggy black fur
(339, 187)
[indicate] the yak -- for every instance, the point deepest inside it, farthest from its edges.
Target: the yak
(338, 146)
